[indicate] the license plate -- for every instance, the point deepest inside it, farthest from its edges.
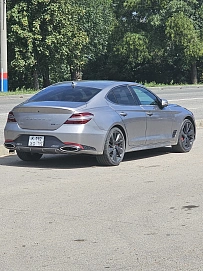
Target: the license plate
(36, 141)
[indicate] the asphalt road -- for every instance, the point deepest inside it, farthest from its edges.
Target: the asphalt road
(65, 213)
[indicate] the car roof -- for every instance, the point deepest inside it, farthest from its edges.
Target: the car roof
(101, 84)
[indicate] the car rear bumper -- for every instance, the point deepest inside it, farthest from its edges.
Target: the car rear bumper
(89, 142)
(62, 150)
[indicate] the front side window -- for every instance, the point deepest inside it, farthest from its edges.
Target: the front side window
(145, 97)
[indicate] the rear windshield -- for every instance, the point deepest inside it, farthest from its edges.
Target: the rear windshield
(65, 94)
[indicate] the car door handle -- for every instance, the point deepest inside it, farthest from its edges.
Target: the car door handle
(149, 114)
(123, 114)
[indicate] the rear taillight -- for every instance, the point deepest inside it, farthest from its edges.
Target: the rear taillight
(11, 117)
(79, 118)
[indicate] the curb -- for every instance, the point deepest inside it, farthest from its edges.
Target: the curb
(5, 152)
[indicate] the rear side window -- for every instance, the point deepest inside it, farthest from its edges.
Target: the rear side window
(121, 95)
(65, 94)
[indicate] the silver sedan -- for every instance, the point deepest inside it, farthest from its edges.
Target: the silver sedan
(101, 118)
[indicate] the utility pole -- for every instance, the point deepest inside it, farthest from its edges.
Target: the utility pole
(4, 73)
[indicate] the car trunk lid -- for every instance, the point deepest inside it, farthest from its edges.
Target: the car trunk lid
(32, 116)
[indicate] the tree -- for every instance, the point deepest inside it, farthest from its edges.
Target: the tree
(126, 49)
(47, 37)
(42, 35)
(181, 31)
(96, 20)
(174, 26)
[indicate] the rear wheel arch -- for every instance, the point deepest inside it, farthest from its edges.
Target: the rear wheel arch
(119, 127)
(114, 147)
(122, 130)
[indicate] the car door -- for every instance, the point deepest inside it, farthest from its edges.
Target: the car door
(159, 120)
(132, 114)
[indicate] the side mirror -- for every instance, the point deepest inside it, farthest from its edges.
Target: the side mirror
(164, 103)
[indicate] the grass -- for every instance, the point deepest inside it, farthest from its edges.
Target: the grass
(154, 84)
(18, 92)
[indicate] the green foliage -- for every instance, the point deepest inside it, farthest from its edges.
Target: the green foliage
(134, 47)
(45, 36)
(181, 31)
(174, 28)
(40, 35)
(151, 40)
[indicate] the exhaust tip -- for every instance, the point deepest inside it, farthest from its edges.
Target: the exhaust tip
(70, 148)
(10, 146)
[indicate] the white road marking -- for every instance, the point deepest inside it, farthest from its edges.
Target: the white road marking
(189, 99)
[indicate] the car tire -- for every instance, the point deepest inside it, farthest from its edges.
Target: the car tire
(186, 137)
(114, 148)
(28, 156)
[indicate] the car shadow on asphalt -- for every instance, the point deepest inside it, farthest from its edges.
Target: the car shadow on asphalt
(77, 161)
